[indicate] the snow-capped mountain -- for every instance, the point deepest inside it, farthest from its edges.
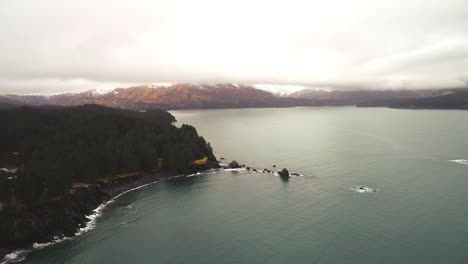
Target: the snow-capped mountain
(280, 90)
(159, 85)
(101, 91)
(217, 95)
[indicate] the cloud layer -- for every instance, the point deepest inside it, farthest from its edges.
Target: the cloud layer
(54, 46)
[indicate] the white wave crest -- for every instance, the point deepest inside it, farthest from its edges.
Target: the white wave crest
(15, 256)
(460, 161)
(177, 176)
(54, 241)
(191, 175)
(92, 218)
(20, 255)
(237, 169)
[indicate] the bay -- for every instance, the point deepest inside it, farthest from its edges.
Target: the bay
(414, 159)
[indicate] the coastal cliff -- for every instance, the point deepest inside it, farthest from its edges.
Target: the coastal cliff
(21, 225)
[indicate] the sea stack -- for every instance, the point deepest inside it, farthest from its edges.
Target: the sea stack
(284, 173)
(234, 164)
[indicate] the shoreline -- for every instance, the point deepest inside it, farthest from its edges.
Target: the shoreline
(107, 192)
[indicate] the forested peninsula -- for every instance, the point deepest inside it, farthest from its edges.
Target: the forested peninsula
(59, 163)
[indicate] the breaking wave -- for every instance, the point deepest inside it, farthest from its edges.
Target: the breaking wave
(15, 256)
(460, 161)
(20, 255)
(237, 169)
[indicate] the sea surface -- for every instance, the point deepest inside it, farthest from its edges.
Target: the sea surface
(377, 185)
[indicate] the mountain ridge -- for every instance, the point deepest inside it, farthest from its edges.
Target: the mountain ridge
(221, 95)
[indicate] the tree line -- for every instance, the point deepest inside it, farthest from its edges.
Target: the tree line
(59, 145)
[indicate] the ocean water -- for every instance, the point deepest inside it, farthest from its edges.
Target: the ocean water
(378, 186)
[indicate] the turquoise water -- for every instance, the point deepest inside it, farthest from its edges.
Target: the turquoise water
(418, 215)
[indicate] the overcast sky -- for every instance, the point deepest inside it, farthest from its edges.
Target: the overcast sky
(54, 46)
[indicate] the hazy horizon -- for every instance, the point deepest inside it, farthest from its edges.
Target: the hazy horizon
(52, 47)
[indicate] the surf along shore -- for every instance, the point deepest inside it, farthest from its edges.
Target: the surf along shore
(29, 227)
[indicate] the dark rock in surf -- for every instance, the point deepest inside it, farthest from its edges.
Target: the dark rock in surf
(284, 173)
(234, 165)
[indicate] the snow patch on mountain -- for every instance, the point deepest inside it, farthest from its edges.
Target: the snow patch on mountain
(101, 91)
(281, 90)
(159, 85)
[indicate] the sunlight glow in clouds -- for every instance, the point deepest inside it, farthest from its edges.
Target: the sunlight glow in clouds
(53, 46)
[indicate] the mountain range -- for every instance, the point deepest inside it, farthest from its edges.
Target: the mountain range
(224, 95)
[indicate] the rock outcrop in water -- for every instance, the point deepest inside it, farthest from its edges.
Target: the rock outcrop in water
(284, 173)
(234, 165)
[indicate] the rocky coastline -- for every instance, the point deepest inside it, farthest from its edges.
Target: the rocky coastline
(22, 226)
(63, 217)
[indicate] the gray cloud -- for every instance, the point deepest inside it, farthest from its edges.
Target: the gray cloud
(53, 46)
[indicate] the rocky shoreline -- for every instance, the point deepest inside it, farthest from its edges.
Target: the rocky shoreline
(64, 216)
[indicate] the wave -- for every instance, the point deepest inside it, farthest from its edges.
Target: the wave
(20, 255)
(363, 189)
(54, 241)
(237, 169)
(92, 218)
(191, 175)
(460, 161)
(15, 256)
(198, 173)
(177, 176)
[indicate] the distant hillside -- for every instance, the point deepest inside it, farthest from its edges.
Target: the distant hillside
(212, 96)
(357, 97)
(456, 100)
(177, 96)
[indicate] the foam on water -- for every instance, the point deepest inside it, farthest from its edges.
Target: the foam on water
(15, 256)
(54, 241)
(177, 176)
(460, 161)
(237, 169)
(92, 218)
(191, 175)
(363, 189)
(20, 255)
